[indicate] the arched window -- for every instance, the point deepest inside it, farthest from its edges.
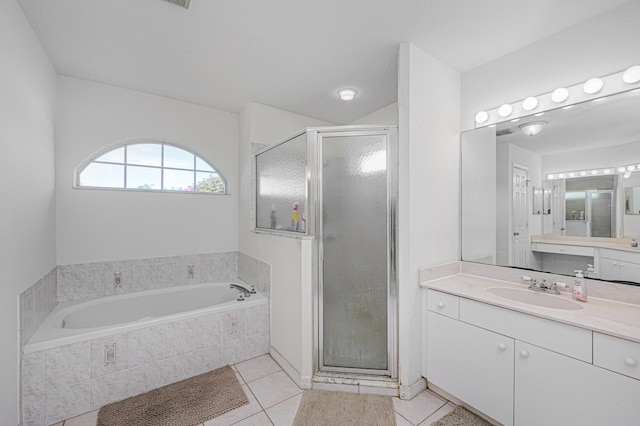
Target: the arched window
(151, 166)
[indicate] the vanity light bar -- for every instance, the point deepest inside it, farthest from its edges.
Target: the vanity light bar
(562, 96)
(624, 170)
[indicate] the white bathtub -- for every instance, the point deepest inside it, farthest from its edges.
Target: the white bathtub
(77, 321)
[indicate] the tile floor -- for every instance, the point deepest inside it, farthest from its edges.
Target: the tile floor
(274, 400)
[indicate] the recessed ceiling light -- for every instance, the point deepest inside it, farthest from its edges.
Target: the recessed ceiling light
(347, 94)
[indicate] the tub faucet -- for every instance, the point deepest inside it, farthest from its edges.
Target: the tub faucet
(242, 290)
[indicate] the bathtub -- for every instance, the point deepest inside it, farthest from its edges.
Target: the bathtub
(81, 320)
(90, 353)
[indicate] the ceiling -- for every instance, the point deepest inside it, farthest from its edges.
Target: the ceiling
(290, 54)
(604, 122)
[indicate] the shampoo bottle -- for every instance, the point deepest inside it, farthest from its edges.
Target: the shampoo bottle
(579, 287)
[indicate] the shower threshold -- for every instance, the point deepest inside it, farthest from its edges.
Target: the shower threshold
(357, 383)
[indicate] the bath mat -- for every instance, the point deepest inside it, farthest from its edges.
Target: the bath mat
(461, 417)
(320, 408)
(189, 402)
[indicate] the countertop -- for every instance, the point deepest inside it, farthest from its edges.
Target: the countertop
(604, 316)
(607, 243)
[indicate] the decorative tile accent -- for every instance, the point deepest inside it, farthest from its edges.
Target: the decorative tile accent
(33, 373)
(67, 402)
(254, 272)
(66, 365)
(233, 326)
(109, 354)
(145, 345)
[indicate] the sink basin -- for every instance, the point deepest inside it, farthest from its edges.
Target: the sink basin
(534, 298)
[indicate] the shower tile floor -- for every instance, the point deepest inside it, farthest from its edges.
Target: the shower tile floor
(274, 400)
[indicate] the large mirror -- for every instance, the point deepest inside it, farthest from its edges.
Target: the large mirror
(556, 192)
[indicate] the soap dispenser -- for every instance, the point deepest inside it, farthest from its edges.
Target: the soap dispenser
(634, 242)
(579, 287)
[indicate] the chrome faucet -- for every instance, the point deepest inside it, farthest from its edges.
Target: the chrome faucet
(243, 291)
(542, 286)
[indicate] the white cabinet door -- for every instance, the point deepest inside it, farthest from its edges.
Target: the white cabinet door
(473, 364)
(609, 269)
(629, 271)
(555, 390)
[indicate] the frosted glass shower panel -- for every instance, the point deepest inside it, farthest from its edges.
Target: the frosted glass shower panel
(281, 187)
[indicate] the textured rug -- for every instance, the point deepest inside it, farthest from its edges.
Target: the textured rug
(461, 417)
(320, 408)
(186, 403)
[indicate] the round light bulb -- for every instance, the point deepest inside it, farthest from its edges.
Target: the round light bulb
(632, 74)
(559, 95)
(505, 110)
(594, 172)
(530, 103)
(622, 169)
(482, 117)
(593, 85)
(631, 168)
(606, 171)
(549, 176)
(583, 173)
(560, 175)
(572, 174)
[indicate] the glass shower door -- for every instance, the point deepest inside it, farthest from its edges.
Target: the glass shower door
(355, 237)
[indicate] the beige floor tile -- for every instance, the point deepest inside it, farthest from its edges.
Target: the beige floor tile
(401, 421)
(273, 389)
(88, 419)
(419, 408)
(257, 368)
(238, 414)
(259, 419)
(282, 414)
(442, 411)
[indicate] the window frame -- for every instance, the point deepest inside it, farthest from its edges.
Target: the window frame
(92, 160)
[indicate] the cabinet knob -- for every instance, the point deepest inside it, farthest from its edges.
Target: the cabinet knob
(440, 305)
(631, 362)
(524, 354)
(502, 346)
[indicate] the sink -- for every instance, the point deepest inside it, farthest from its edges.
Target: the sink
(535, 298)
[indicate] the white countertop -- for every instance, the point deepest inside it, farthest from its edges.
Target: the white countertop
(607, 243)
(604, 316)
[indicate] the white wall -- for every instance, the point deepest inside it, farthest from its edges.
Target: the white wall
(104, 225)
(383, 116)
(291, 297)
(27, 193)
(603, 45)
(429, 105)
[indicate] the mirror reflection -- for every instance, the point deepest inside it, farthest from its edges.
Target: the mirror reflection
(557, 192)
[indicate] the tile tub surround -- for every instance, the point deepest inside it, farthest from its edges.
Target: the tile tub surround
(254, 272)
(66, 381)
(35, 304)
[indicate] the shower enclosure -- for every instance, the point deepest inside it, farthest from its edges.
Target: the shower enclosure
(343, 188)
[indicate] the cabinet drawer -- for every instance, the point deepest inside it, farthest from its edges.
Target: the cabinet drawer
(443, 303)
(615, 354)
(561, 249)
(621, 255)
(572, 341)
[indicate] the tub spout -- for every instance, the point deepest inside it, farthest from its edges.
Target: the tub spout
(242, 290)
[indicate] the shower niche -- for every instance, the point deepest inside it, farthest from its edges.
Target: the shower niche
(338, 186)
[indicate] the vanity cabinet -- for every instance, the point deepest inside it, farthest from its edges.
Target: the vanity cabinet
(522, 370)
(619, 265)
(473, 364)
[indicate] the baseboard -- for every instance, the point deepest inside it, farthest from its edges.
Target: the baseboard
(408, 392)
(303, 382)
